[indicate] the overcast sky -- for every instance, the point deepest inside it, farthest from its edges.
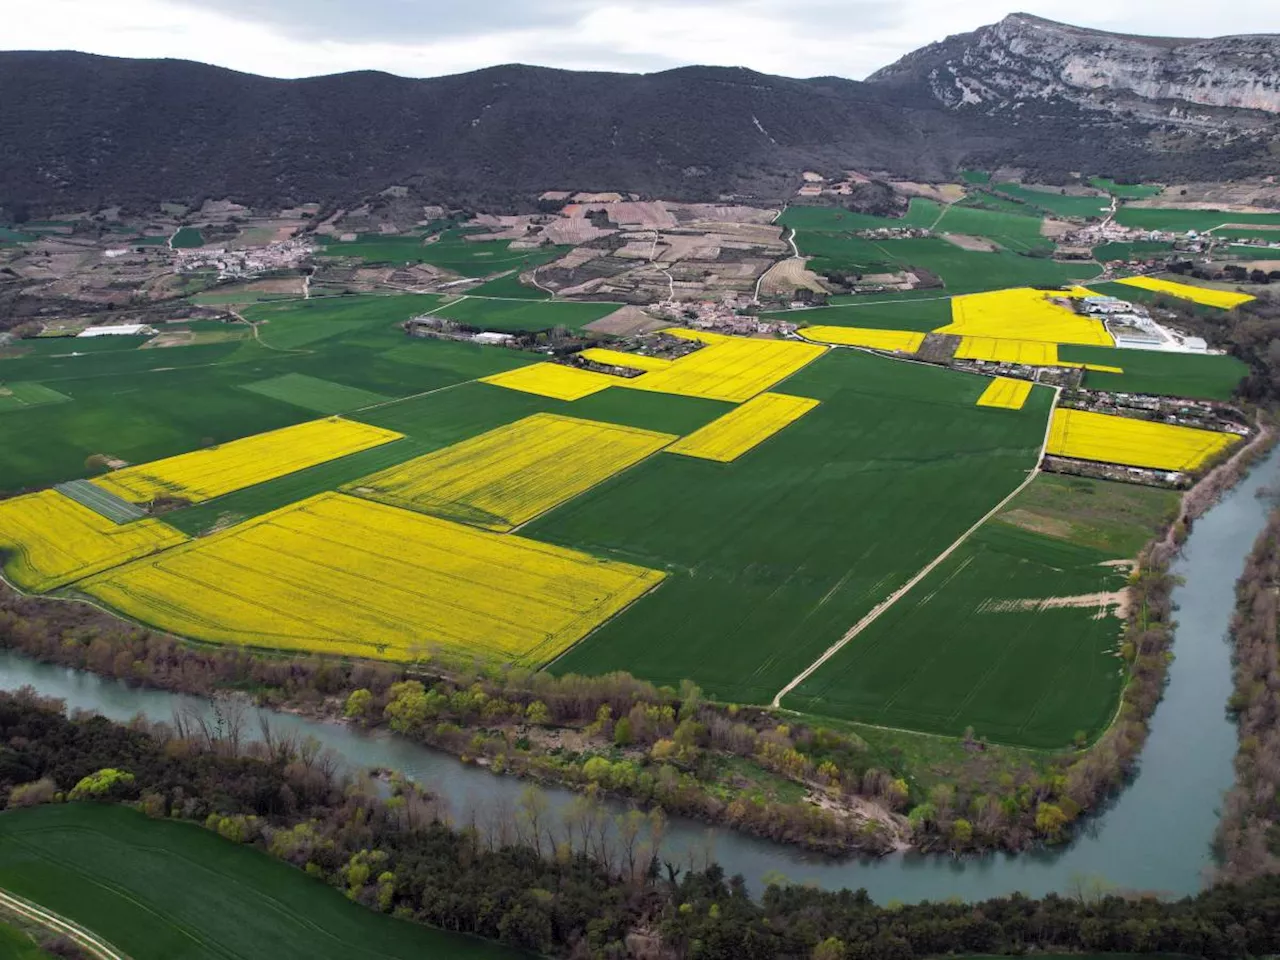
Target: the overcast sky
(422, 38)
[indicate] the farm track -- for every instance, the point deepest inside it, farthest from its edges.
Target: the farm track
(879, 609)
(89, 942)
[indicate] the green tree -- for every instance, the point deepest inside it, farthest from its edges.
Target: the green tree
(107, 784)
(358, 702)
(538, 713)
(831, 948)
(622, 732)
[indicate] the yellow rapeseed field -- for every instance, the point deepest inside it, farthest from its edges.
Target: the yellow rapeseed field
(1133, 443)
(728, 368)
(1005, 392)
(1224, 299)
(339, 575)
(1024, 313)
(211, 472)
(617, 358)
(744, 427)
(554, 380)
(508, 476)
(902, 340)
(1033, 352)
(49, 540)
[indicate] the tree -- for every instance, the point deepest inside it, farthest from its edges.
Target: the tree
(831, 948)
(538, 713)
(107, 784)
(622, 732)
(358, 702)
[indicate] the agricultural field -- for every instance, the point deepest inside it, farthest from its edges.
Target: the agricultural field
(1051, 201)
(1198, 376)
(904, 341)
(1180, 220)
(744, 428)
(1013, 635)
(1125, 191)
(506, 477)
(617, 358)
(555, 380)
(20, 396)
(1025, 314)
(770, 558)
(209, 473)
(1005, 393)
(1137, 250)
(1036, 353)
(920, 313)
(1136, 443)
(187, 238)
(341, 575)
(1206, 296)
(312, 393)
(523, 315)
(165, 890)
(1019, 232)
(450, 250)
(728, 368)
(47, 540)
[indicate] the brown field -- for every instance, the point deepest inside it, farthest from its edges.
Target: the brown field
(787, 276)
(941, 192)
(966, 242)
(626, 321)
(1055, 228)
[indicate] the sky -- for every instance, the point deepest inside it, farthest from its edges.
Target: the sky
(423, 38)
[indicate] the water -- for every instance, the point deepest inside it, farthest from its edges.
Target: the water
(1155, 836)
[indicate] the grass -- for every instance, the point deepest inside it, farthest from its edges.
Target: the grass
(300, 323)
(1055, 203)
(452, 251)
(1116, 518)
(524, 315)
(1181, 220)
(22, 396)
(509, 286)
(1198, 376)
(975, 176)
(312, 393)
(164, 890)
(16, 945)
(1019, 232)
(946, 657)
(1138, 250)
(1125, 191)
(773, 556)
(187, 238)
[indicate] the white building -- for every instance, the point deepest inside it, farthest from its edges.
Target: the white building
(117, 330)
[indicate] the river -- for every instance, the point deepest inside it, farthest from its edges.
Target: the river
(1155, 836)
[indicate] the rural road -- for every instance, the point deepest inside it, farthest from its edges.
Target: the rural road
(906, 588)
(89, 942)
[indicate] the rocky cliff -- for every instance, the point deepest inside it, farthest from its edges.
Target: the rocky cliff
(1024, 58)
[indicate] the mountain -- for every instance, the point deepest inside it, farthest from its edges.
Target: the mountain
(78, 130)
(1229, 82)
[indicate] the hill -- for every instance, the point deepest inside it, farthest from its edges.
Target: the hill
(79, 130)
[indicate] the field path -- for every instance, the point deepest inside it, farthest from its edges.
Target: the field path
(924, 571)
(91, 943)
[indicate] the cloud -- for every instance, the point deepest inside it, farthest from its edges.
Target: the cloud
(801, 38)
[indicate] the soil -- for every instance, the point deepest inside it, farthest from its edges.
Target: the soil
(966, 242)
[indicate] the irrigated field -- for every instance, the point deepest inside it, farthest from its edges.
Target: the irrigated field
(47, 540)
(728, 368)
(1057, 204)
(523, 314)
(1207, 376)
(904, 341)
(339, 575)
(508, 476)
(1181, 220)
(1005, 393)
(209, 473)
(772, 557)
(162, 890)
(555, 380)
(1209, 297)
(1025, 314)
(1136, 443)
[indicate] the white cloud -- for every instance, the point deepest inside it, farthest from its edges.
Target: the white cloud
(291, 38)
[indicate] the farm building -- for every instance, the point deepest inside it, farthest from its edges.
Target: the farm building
(117, 330)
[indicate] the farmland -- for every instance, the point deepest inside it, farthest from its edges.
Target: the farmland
(1055, 203)
(743, 428)
(774, 555)
(1210, 377)
(340, 575)
(508, 476)
(160, 890)
(519, 315)
(1125, 191)
(209, 473)
(1209, 297)
(1182, 220)
(903, 340)
(1136, 443)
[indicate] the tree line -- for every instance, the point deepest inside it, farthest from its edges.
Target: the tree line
(558, 885)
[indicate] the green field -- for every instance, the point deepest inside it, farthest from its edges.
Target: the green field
(187, 238)
(16, 945)
(508, 286)
(451, 251)
(1200, 376)
(975, 176)
(22, 396)
(1057, 204)
(140, 405)
(1019, 232)
(312, 393)
(165, 890)
(524, 315)
(1182, 220)
(957, 651)
(773, 556)
(1125, 191)
(920, 213)
(1137, 250)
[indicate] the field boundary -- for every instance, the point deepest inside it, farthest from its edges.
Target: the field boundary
(885, 604)
(84, 938)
